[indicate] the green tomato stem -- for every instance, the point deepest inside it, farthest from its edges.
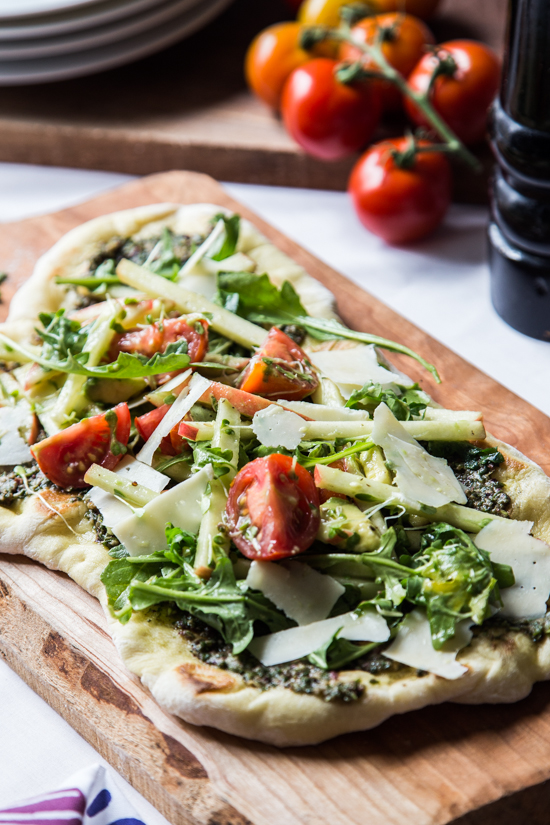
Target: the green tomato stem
(420, 100)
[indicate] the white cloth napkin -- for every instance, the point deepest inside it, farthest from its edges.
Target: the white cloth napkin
(90, 797)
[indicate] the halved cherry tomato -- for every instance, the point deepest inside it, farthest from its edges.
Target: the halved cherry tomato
(271, 57)
(66, 456)
(280, 369)
(147, 423)
(463, 96)
(273, 508)
(327, 118)
(400, 204)
(156, 338)
(403, 39)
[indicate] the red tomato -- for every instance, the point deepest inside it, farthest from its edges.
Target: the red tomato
(328, 119)
(462, 97)
(404, 39)
(271, 57)
(171, 444)
(273, 508)
(400, 204)
(156, 337)
(280, 369)
(66, 456)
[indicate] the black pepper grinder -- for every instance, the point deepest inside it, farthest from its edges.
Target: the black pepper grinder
(519, 232)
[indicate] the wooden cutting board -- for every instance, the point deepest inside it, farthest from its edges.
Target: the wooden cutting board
(484, 765)
(188, 108)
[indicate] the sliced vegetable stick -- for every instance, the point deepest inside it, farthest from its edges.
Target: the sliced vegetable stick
(331, 430)
(465, 518)
(129, 491)
(226, 437)
(225, 322)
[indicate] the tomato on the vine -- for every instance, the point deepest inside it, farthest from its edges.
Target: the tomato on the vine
(271, 57)
(403, 37)
(401, 203)
(273, 508)
(463, 91)
(329, 119)
(280, 369)
(66, 456)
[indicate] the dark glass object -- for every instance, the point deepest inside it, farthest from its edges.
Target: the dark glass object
(519, 233)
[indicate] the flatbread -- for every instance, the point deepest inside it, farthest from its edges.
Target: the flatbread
(500, 669)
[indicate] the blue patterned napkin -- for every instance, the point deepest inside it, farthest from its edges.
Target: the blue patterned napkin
(90, 797)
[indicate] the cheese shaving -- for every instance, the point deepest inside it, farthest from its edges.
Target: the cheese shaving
(509, 542)
(296, 642)
(177, 411)
(413, 646)
(275, 427)
(419, 475)
(300, 592)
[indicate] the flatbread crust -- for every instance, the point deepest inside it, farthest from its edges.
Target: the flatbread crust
(499, 670)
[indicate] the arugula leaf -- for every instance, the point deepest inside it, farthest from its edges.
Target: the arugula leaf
(336, 653)
(167, 264)
(204, 453)
(127, 365)
(258, 300)
(255, 298)
(232, 229)
(404, 405)
(454, 580)
(137, 583)
(390, 577)
(60, 335)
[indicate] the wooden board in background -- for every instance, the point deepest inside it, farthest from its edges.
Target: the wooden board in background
(188, 108)
(486, 765)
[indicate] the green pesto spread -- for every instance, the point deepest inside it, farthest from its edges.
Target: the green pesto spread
(299, 676)
(474, 468)
(12, 486)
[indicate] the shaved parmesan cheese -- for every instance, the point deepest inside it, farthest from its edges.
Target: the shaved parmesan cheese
(413, 647)
(300, 592)
(239, 262)
(509, 542)
(145, 530)
(201, 251)
(13, 448)
(142, 473)
(320, 412)
(203, 284)
(275, 427)
(350, 369)
(179, 408)
(114, 509)
(419, 475)
(291, 644)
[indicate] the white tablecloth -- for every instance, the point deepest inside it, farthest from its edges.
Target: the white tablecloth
(442, 285)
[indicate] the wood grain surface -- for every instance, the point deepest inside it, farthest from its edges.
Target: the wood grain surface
(487, 765)
(188, 108)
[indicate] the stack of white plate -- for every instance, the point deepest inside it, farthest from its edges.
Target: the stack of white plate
(44, 40)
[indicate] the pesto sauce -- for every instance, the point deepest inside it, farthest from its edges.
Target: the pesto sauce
(474, 468)
(496, 628)
(13, 489)
(300, 676)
